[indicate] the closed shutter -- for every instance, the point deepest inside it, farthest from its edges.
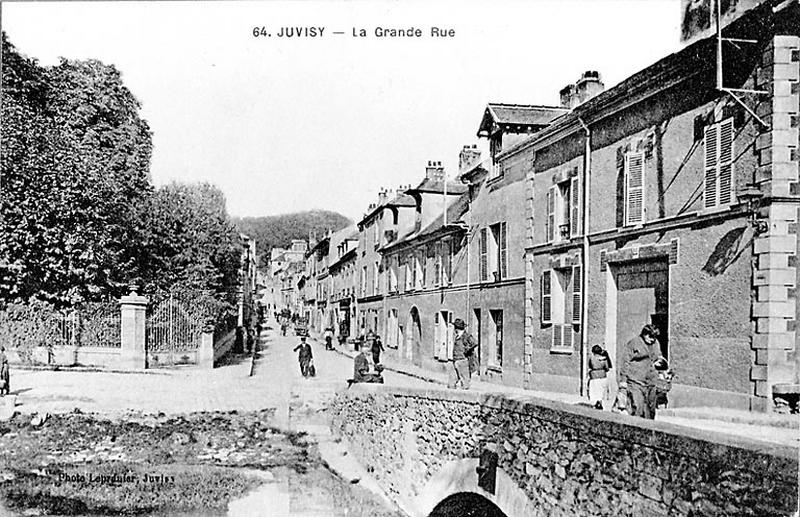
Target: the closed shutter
(558, 336)
(423, 270)
(577, 278)
(550, 222)
(438, 351)
(725, 160)
(575, 200)
(437, 265)
(566, 339)
(711, 162)
(634, 194)
(503, 252)
(483, 265)
(447, 274)
(546, 300)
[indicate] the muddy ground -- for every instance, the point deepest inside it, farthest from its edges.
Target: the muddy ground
(79, 464)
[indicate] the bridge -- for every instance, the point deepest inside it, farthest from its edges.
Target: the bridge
(450, 453)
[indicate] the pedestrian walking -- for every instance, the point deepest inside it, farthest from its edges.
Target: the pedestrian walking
(377, 348)
(329, 338)
(5, 373)
(305, 357)
(638, 372)
(599, 365)
(463, 346)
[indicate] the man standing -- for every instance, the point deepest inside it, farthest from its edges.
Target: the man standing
(463, 346)
(638, 373)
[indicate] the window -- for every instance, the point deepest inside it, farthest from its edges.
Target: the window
(560, 297)
(419, 272)
(563, 203)
(375, 234)
(410, 273)
(392, 275)
(443, 335)
(363, 285)
(634, 188)
(447, 257)
(483, 266)
(376, 279)
(437, 265)
(496, 357)
(718, 139)
(497, 252)
(495, 146)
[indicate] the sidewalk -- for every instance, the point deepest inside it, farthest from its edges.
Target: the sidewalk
(783, 429)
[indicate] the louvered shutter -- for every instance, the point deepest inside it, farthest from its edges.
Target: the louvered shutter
(550, 222)
(577, 278)
(575, 205)
(503, 252)
(557, 336)
(546, 296)
(437, 265)
(711, 162)
(566, 339)
(725, 160)
(634, 194)
(483, 265)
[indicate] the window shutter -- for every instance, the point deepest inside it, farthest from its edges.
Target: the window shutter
(557, 336)
(447, 274)
(634, 205)
(725, 160)
(550, 222)
(620, 211)
(503, 252)
(546, 297)
(483, 266)
(575, 202)
(711, 161)
(423, 276)
(437, 265)
(577, 278)
(566, 339)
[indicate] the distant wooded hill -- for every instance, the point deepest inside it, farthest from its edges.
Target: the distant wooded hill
(279, 230)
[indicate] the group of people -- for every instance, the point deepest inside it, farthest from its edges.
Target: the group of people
(645, 376)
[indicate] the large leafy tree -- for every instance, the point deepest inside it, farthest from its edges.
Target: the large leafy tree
(75, 161)
(190, 240)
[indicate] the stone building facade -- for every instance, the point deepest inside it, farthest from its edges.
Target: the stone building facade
(665, 200)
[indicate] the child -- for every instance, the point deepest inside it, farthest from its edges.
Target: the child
(663, 383)
(599, 365)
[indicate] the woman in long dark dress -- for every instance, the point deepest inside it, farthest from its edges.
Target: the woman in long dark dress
(5, 376)
(304, 356)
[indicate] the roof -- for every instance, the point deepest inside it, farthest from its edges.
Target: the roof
(697, 58)
(437, 187)
(497, 113)
(402, 200)
(455, 211)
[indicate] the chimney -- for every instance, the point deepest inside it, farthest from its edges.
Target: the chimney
(569, 96)
(381, 196)
(434, 171)
(468, 157)
(589, 85)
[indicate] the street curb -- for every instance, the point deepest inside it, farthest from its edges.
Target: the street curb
(82, 369)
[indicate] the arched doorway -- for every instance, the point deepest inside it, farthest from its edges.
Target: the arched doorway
(413, 335)
(466, 504)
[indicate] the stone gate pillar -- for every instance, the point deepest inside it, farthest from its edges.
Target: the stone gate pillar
(132, 332)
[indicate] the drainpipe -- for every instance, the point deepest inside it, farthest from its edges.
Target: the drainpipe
(585, 258)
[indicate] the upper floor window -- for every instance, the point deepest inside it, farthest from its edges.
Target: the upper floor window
(718, 165)
(409, 283)
(376, 279)
(419, 270)
(392, 275)
(634, 188)
(493, 250)
(560, 303)
(363, 284)
(563, 206)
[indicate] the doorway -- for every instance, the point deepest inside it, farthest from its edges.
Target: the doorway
(642, 298)
(476, 325)
(414, 337)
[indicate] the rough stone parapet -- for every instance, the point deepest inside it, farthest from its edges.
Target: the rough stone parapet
(568, 460)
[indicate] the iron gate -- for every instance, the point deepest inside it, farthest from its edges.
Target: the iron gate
(173, 330)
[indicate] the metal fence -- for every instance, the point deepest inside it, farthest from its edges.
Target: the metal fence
(175, 323)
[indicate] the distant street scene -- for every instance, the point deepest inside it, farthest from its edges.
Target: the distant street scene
(290, 259)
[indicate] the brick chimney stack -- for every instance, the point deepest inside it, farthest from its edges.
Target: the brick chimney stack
(468, 157)
(434, 171)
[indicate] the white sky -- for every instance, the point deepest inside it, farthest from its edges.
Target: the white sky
(292, 124)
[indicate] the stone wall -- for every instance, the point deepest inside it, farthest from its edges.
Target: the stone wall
(568, 460)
